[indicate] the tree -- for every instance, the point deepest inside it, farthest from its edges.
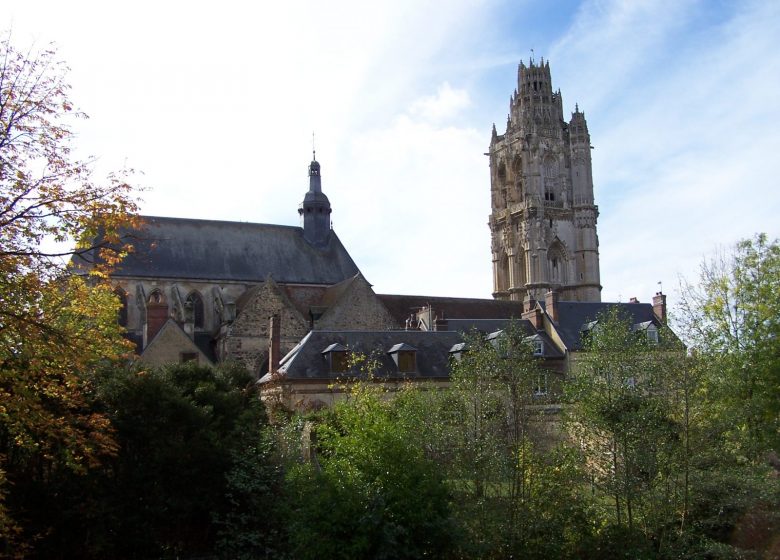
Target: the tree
(514, 496)
(54, 327)
(621, 414)
(733, 319)
(371, 492)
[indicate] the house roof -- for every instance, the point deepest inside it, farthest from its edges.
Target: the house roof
(401, 306)
(307, 362)
(180, 248)
(573, 315)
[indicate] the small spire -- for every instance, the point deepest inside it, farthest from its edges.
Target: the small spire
(313, 151)
(576, 107)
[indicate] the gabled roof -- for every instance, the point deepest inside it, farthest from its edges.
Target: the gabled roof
(180, 248)
(574, 315)
(307, 362)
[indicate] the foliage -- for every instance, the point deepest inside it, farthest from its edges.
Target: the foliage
(192, 472)
(516, 491)
(54, 329)
(733, 319)
(370, 491)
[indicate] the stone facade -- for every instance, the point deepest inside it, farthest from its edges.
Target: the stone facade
(543, 218)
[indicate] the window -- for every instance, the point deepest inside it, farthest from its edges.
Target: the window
(540, 387)
(652, 335)
(407, 362)
(122, 311)
(537, 344)
(337, 356)
(405, 357)
(196, 302)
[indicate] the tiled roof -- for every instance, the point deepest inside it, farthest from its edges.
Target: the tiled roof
(306, 360)
(179, 248)
(573, 315)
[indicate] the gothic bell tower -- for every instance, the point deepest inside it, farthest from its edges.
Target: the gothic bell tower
(543, 216)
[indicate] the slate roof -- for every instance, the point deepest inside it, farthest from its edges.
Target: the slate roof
(307, 362)
(401, 306)
(573, 315)
(180, 248)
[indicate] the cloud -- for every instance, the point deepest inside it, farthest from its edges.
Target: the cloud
(445, 104)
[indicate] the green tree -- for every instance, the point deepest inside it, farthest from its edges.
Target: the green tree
(192, 473)
(54, 329)
(370, 491)
(516, 491)
(621, 414)
(732, 317)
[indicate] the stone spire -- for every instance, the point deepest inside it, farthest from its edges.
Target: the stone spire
(315, 209)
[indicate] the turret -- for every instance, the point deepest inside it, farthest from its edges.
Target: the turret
(315, 209)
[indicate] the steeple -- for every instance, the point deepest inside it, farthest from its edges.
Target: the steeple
(315, 209)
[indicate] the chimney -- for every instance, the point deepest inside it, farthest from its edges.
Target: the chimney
(529, 303)
(274, 344)
(531, 312)
(633, 300)
(659, 306)
(551, 304)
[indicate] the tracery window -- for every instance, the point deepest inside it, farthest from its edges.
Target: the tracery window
(196, 301)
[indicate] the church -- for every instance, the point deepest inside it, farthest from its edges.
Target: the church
(290, 304)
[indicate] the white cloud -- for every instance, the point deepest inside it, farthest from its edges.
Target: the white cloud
(217, 105)
(445, 104)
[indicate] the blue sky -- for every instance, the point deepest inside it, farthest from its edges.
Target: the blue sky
(216, 105)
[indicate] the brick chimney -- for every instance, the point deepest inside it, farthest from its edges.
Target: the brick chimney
(274, 344)
(551, 304)
(659, 306)
(156, 316)
(531, 312)
(633, 300)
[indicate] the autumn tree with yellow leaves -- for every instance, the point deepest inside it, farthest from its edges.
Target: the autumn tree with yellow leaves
(55, 326)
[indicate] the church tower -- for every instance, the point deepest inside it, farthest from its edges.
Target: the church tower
(315, 209)
(543, 217)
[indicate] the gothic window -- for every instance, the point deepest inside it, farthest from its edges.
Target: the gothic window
(122, 311)
(557, 264)
(196, 301)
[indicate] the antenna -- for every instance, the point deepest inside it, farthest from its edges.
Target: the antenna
(313, 151)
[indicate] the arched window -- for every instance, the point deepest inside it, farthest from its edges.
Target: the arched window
(196, 301)
(556, 262)
(122, 311)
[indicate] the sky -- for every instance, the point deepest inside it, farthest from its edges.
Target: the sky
(214, 105)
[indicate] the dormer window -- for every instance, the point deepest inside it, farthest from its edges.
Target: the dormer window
(652, 335)
(405, 357)
(650, 331)
(457, 351)
(537, 344)
(337, 356)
